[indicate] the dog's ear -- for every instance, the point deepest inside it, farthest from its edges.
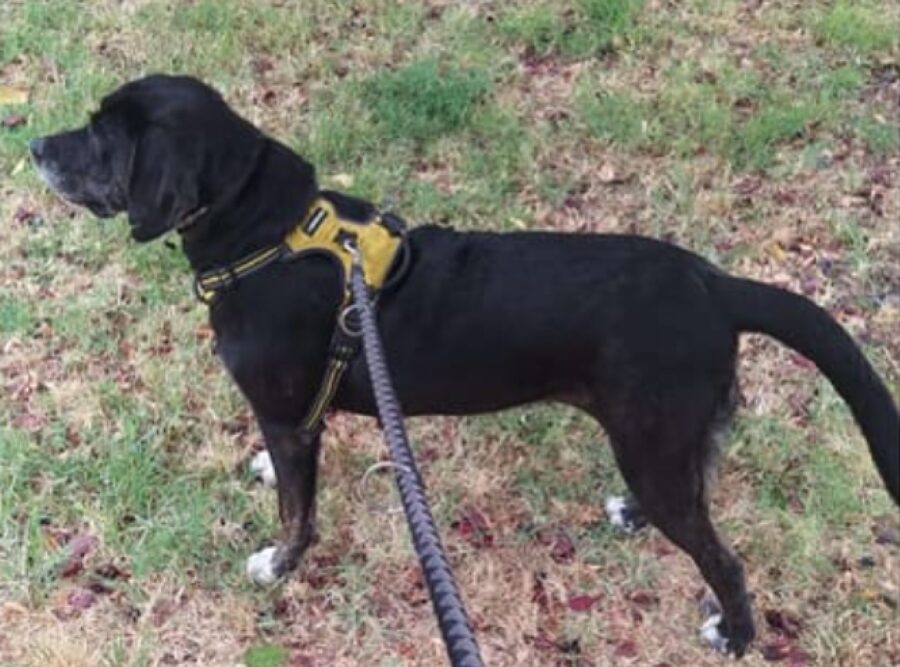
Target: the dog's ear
(164, 184)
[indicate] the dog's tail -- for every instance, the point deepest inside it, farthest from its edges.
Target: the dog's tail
(799, 323)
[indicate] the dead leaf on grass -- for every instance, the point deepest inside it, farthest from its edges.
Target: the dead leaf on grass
(563, 550)
(583, 603)
(626, 649)
(777, 650)
(13, 120)
(783, 623)
(341, 180)
(10, 610)
(10, 95)
(81, 598)
(474, 528)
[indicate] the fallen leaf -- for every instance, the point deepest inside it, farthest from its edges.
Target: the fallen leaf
(111, 571)
(162, 611)
(607, 173)
(887, 536)
(24, 215)
(540, 642)
(563, 550)
(262, 65)
(301, 660)
(13, 120)
(81, 598)
(783, 623)
(747, 186)
(341, 180)
(776, 251)
(71, 567)
(570, 646)
(13, 95)
(474, 528)
(798, 658)
(626, 649)
(644, 599)
(80, 545)
(776, 651)
(583, 603)
(9, 610)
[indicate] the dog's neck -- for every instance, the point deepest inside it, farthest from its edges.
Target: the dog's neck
(275, 195)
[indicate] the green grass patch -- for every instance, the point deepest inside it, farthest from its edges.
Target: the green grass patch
(619, 118)
(880, 136)
(753, 144)
(15, 315)
(735, 118)
(860, 26)
(579, 29)
(266, 655)
(424, 100)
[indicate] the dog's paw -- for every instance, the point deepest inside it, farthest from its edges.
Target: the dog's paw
(262, 468)
(711, 633)
(624, 514)
(262, 567)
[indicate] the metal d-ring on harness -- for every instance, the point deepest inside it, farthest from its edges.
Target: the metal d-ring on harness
(456, 629)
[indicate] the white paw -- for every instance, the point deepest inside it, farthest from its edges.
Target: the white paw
(261, 466)
(712, 636)
(615, 508)
(261, 567)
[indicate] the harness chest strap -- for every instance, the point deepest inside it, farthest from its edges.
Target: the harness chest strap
(378, 241)
(322, 231)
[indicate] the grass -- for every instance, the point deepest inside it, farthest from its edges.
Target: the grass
(860, 26)
(423, 101)
(578, 29)
(764, 137)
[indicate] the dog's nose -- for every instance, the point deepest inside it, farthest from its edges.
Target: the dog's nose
(37, 147)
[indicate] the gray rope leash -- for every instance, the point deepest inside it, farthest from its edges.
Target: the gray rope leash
(462, 649)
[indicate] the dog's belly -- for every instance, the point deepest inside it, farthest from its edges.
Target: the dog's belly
(461, 390)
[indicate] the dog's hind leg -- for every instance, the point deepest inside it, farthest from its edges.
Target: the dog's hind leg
(664, 454)
(295, 457)
(685, 520)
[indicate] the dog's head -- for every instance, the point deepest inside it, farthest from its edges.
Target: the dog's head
(165, 149)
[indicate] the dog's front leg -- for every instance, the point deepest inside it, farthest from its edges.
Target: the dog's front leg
(295, 458)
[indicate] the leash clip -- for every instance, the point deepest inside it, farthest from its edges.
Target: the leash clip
(348, 243)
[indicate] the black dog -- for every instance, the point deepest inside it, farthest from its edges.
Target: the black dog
(638, 333)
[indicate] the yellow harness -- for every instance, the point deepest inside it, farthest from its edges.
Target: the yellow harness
(322, 230)
(378, 243)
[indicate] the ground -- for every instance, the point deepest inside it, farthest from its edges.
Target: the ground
(762, 134)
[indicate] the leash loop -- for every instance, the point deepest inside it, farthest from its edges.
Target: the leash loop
(456, 629)
(363, 491)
